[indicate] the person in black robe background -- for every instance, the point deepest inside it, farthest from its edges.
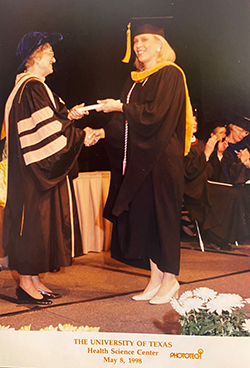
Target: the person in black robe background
(145, 142)
(213, 197)
(197, 171)
(231, 165)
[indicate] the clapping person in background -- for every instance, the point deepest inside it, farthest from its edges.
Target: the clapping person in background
(231, 165)
(211, 196)
(40, 228)
(145, 141)
(197, 172)
(239, 148)
(230, 160)
(220, 131)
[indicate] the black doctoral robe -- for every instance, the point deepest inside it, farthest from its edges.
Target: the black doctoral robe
(145, 204)
(40, 221)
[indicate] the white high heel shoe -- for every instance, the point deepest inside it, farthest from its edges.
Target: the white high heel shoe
(166, 298)
(148, 295)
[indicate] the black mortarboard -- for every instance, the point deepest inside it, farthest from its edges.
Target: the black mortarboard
(242, 121)
(141, 25)
(30, 43)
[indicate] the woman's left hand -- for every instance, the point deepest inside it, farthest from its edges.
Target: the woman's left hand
(109, 105)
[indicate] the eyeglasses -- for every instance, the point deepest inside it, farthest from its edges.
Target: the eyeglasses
(49, 53)
(241, 130)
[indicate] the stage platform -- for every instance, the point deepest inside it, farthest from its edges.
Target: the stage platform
(97, 291)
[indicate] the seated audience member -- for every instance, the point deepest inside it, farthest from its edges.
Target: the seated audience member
(231, 164)
(231, 158)
(220, 209)
(220, 131)
(197, 171)
(237, 153)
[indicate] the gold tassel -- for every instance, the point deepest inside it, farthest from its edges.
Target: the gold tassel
(128, 50)
(3, 131)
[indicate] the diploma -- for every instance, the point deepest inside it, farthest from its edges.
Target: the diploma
(88, 108)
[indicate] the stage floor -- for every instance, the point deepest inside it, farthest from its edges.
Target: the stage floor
(97, 291)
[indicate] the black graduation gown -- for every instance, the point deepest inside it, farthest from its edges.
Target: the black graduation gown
(197, 171)
(145, 204)
(219, 209)
(230, 203)
(238, 174)
(43, 146)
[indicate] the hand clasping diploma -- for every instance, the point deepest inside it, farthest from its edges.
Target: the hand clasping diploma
(90, 107)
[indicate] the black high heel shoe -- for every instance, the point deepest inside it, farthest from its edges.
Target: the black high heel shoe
(25, 298)
(50, 295)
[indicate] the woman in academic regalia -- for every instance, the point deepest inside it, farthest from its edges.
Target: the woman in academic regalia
(40, 230)
(145, 141)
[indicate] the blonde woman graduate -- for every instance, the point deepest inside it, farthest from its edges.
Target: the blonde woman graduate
(146, 141)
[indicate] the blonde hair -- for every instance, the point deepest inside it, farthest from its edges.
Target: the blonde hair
(166, 53)
(38, 53)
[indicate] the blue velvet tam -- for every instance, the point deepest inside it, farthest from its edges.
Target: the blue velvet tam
(30, 43)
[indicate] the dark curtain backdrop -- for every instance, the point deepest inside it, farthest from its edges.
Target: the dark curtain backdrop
(211, 40)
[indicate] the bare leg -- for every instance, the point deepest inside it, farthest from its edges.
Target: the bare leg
(153, 285)
(168, 281)
(38, 283)
(27, 285)
(156, 277)
(168, 289)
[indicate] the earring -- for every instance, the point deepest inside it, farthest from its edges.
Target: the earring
(158, 49)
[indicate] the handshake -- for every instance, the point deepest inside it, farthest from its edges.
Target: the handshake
(92, 136)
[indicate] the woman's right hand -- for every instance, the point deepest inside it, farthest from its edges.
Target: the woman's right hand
(109, 105)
